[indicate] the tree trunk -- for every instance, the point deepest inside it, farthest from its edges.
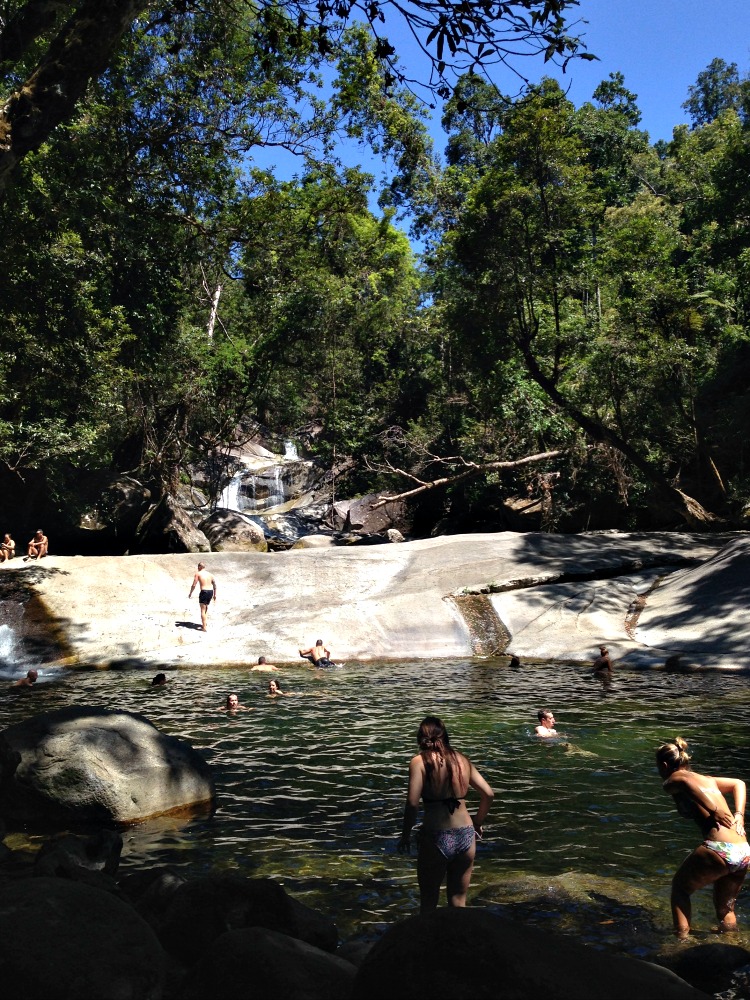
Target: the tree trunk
(695, 515)
(80, 52)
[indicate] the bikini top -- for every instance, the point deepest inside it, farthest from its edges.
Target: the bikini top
(451, 803)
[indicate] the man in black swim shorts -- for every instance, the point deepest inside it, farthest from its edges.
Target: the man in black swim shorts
(207, 592)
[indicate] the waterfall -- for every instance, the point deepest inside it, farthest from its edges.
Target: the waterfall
(488, 634)
(230, 496)
(290, 451)
(7, 646)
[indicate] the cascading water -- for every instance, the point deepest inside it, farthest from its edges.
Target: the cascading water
(263, 484)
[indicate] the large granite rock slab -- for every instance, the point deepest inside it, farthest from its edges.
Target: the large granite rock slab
(83, 764)
(556, 596)
(65, 941)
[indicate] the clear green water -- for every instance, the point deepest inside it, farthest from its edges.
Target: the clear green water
(311, 787)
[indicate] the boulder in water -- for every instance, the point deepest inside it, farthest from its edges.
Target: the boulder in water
(84, 764)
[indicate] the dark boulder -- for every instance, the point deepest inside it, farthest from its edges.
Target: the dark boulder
(197, 912)
(469, 954)
(259, 963)
(65, 941)
(166, 527)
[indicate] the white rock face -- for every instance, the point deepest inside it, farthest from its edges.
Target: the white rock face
(94, 764)
(559, 596)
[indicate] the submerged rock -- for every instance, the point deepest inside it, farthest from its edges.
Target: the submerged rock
(84, 764)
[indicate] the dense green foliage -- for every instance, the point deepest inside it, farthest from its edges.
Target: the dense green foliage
(582, 290)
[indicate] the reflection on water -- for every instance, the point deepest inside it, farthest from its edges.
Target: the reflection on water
(311, 787)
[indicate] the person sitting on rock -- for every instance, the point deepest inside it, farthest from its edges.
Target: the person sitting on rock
(7, 548)
(28, 681)
(546, 725)
(318, 655)
(232, 704)
(38, 546)
(263, 664)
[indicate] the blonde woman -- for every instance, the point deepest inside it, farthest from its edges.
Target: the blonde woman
(723, 857)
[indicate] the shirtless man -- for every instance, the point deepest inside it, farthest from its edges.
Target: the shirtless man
(318, 655)
(38, 545)
(546, 725)
(7, 548)
(28, 681)
(207, 592)
(262, 664)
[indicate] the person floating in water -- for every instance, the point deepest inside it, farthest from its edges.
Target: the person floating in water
(232, 704)
(546, 725)
(723, 857)
(515, 663)
(159, 680)
(28, 681)
(441, 777)
(318, 655)
(263, 664)
(207, 592)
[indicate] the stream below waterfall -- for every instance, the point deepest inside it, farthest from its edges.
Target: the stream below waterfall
(311, 787)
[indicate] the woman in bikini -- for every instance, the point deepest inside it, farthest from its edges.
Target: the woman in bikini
(723, 857)
(441, 777)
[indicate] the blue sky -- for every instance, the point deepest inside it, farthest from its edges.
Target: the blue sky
(660, 46)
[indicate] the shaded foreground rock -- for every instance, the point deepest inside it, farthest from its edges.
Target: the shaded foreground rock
(84, 764)
(65, 941)
(258, 963)
(188, 917)
(469, 953)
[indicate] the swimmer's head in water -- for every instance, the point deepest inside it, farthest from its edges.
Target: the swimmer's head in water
(273, 687)
(232, 701)
(32, 675)
(672, 756)
(159, 679)
(546, 717)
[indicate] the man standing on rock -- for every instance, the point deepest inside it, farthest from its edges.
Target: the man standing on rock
(207, 592)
